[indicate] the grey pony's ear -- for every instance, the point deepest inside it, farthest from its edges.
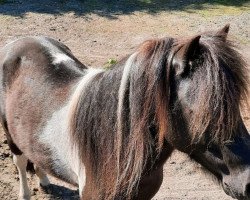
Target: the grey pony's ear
(222, 33)
(185, 53)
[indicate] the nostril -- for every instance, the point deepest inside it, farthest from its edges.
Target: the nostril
(247, 190)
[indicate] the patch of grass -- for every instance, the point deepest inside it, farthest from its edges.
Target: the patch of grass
(230, 2)
(113, 8)
(3, 1)
(219, 7)
(145, 1)
(110, 63)
(203, 7)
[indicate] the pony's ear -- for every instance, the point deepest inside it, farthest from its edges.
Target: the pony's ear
(222, 33)
(184, 54)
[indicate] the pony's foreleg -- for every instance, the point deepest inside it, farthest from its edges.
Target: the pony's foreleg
(21, 164)
(43, 179)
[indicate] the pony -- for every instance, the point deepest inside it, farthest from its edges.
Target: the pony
(110, 131)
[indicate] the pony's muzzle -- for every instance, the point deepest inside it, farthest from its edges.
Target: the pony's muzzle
(238, 187)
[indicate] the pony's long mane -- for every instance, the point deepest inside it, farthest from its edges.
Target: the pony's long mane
(111, 121)
(120, 119)
(222, 89)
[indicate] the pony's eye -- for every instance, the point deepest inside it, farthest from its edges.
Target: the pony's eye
(188, 68)
(190, 63)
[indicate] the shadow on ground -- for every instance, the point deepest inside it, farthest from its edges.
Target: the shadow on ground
(60, 192)
(108, 8)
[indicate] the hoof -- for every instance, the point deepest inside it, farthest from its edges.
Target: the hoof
(44, 182)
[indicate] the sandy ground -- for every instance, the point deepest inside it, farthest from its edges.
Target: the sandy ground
(98, 33)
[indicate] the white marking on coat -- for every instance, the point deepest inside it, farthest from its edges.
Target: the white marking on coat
(56, 135)
(60, 57)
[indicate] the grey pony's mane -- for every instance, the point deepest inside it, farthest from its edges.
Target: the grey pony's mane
(113, 106)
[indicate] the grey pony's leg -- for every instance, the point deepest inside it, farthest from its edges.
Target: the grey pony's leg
(43, 179)
(21, 164)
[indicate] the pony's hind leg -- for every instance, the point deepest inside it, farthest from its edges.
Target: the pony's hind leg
(43, 179)
(21, 164)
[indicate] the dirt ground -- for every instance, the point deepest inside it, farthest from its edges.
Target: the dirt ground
(101, 30)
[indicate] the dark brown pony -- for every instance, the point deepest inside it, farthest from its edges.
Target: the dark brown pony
(111, 131)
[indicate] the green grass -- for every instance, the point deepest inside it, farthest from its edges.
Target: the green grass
(3, 1)
(112, 8)
(203, 7)
(109, 63)
(230, 2)
(221, 7)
